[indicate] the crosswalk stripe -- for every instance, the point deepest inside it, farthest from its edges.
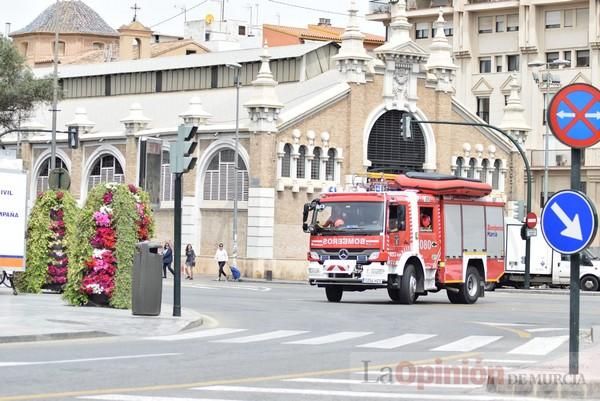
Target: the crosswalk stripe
(262, 337)
(468, 343)
(545, 329)
(197, 334)
(540, 346)
(368, 395)
(503, 361)
(123, 397)
(376, 383)
(332, 338)
(399, 341)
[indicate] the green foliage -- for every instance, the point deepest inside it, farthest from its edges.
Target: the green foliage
(125, 215)
(19, 89)
(39, 236)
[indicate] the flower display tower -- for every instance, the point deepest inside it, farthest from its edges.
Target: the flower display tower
(115, 218)
(51, 228)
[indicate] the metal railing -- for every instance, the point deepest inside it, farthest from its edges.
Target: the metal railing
(379, 6)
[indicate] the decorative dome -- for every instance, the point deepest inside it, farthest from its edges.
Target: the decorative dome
(71, 16)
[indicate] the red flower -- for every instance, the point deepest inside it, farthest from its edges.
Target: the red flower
(107, 198)
(59, 195)
(133, 189)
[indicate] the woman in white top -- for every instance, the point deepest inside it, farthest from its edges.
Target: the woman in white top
(221, 258)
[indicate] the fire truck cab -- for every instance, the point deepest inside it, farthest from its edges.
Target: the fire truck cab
(411, 234)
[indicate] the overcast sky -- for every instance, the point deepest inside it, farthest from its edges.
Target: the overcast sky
(154, 12)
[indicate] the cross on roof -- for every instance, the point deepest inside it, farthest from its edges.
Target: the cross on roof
(135, 9)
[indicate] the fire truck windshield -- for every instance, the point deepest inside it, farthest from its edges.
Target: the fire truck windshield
(345, 217)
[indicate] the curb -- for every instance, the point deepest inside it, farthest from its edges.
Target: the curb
(53, 336)
(571, 386)
(545, 291)
(263, 281)
(193, 324)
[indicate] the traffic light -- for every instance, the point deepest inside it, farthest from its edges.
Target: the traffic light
(73, 137)
(182, 151)
(406, 126)
(517, 209)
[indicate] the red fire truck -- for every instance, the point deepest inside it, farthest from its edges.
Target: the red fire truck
(411, 234)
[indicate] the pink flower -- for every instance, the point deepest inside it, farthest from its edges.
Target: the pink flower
(133, 189)
(59, 195)
(108, 197)
(102, 219)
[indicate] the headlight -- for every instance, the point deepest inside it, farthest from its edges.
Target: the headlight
(314, 270)
(374, 256)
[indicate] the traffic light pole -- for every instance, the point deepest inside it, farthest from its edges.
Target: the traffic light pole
(529, 180)
(177, 246)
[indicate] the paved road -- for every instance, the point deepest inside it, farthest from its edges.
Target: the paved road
(285, 342)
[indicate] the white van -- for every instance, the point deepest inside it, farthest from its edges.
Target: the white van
(546, 265)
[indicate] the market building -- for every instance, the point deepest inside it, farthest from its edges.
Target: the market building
(313, 117)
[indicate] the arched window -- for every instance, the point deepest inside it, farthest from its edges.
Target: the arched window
(286, 161)
(106, 169)
(301, 166)
(166, 178)
(460, 162)
(42, 177)
(330, 165)
(496, 174)
(137, 49)
(315, 171)
(471, 171)
(485, 167)
(220, 177)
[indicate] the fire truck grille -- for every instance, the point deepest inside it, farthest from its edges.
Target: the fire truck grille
(360, 255)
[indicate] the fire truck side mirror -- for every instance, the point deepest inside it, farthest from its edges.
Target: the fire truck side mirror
(305, 212)
(305, 227)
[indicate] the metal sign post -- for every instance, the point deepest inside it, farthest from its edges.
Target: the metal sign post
(574, 119)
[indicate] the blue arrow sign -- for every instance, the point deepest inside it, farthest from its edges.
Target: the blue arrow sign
(569, 222)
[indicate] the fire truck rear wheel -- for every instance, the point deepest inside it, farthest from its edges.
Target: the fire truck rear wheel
(408, 286)
(469, 291)
(334, 294)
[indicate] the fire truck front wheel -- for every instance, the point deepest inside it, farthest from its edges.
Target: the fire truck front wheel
(408, 286)
(334, 294)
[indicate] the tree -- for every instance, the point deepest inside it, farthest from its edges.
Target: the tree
(19, 89)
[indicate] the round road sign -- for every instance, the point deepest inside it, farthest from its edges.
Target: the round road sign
(574, 115)
(569, 221)
(531, 220)
(59, 179)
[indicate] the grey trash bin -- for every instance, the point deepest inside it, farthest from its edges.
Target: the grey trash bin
(146, 280)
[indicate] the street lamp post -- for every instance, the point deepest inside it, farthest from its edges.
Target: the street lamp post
(237, 67)
(545, 83)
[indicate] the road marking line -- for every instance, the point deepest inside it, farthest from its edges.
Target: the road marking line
(468, 343)
(332, 338)
(262, 337)
(542, 330)
(540, 346)
(506, 324)
(399, 341)
(197, 334)
(360, 394)
(395, 383)
(509, 361)
(123, 397)
(180, 386)
(105, 358)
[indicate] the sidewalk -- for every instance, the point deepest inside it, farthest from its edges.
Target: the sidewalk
(39, 317)
(551, 380)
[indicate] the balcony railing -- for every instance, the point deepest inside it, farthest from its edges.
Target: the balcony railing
(562, 158)
(484, 1)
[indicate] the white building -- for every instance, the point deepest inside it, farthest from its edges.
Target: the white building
(492, 40)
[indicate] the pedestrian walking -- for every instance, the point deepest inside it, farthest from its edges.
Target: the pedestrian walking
(190, 262)
(167, 256)
(221, 258)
